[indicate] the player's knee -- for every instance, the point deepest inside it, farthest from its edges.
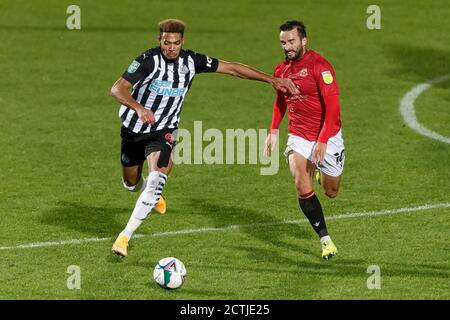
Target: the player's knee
(302, 188)
(331, 192)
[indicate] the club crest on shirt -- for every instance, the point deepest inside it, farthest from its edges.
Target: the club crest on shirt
(184, 69)
(133, 66)
(303, 73)
(327, 77)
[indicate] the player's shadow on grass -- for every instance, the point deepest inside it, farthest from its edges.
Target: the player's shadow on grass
(91, 220)
(194, 294)
(260, 226)
(415, 270)
(358, 268)
(418, 63)
(272, 261)
(277, 246)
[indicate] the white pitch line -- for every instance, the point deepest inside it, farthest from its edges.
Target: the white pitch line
(409, 114)
(235, 227)
(300, 221)
(59, 243)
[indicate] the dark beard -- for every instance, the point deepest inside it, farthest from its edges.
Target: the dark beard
(297, 55)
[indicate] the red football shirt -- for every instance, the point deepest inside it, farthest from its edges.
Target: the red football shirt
(314, 113)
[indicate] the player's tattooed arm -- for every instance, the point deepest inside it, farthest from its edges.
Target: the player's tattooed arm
(246, 72)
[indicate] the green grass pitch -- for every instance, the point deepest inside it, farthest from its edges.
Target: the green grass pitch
(60, 170)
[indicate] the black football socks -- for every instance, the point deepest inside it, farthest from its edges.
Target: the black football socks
(310, 205)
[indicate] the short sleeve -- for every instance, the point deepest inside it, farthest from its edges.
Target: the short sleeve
(204, 63)
(325, 78)
(138, 68)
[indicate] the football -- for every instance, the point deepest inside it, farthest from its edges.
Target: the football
(169, 273)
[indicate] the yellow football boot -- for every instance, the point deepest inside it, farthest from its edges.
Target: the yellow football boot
(317, 176)
(120, 246)
(329, 250)
(160, 206)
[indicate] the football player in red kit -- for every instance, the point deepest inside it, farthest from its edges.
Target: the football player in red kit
(315, 137)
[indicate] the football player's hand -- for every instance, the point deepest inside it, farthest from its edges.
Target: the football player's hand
(146, 116)
(285, 85)
(269, 144)
(318, 154)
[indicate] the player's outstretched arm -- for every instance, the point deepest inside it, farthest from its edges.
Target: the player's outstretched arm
(121, 92)
(246, 72)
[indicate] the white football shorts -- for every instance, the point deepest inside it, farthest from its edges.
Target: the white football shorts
(333, 165)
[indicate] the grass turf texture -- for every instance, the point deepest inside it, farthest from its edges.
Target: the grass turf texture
(60, 176)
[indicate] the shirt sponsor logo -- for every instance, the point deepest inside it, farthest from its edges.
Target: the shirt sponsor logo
(327, 77)
(164, 88)
(133, 66)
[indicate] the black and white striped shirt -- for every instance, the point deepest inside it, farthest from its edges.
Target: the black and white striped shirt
(161, 85)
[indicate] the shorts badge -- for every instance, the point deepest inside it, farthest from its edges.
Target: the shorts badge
(169, 137)
(125, 158)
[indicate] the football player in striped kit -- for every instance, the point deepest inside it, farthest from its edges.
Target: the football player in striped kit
(159, 80)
